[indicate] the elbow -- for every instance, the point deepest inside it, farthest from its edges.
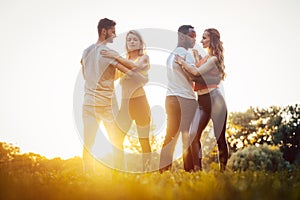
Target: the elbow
(196, 72)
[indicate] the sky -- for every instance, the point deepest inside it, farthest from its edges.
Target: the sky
(42, 43)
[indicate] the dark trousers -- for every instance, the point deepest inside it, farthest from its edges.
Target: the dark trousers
(137, 109)
(180, 113)
(211, 106)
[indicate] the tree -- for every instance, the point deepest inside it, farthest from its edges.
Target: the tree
(273, 126)
(287, 135)
(240, 129)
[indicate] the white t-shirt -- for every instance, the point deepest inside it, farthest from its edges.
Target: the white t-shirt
(178, 82)
(99, 74)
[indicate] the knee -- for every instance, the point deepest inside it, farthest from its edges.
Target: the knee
(143, 122)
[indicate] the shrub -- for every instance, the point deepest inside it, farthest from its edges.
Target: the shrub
(262, 157)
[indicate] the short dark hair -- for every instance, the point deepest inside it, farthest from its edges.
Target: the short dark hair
(105, 23)
(184, 29)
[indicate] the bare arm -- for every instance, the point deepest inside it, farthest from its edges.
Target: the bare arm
(123, 69)
(210, 64)
(207, 78)
(138, 77)
(141, 64)
(197, 57)
(186, 67)
(197, 75)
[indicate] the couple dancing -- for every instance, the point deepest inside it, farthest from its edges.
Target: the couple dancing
(188, 74)
(99, 66)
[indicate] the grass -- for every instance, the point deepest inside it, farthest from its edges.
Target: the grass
(64, 179)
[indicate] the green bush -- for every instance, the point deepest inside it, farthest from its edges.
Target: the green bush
(263, 157)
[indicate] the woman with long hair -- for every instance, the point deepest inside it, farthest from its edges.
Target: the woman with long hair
(134, 103)
(211, 102)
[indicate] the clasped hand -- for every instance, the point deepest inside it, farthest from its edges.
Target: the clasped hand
(179, 60)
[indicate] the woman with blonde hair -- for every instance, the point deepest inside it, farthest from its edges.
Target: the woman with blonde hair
(134, 103)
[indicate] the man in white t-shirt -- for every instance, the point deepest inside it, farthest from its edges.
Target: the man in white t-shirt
(99, 98)
(180, 101)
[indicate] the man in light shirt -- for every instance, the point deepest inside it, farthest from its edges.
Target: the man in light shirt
(180, 101)
(99, 97)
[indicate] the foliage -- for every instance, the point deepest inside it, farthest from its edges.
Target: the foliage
(41, 178)
(278, 126)
(287, 133)
(263, 157)
(251, 127)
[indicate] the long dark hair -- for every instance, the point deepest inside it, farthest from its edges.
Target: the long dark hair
(216, 49)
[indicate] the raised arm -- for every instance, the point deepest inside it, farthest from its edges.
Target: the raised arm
(123, 69)
(197, 57)
(196, 75)
(138, 77)
(207, 78)
(141, 64)
(210, 64)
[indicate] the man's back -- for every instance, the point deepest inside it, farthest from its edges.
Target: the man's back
(99, 76)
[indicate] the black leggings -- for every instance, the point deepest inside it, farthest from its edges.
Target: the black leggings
(211, 106)
(137, 109)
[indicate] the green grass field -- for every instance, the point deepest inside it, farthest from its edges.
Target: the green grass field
(64, 179)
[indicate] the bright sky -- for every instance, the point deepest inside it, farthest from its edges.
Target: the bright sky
(42, 43)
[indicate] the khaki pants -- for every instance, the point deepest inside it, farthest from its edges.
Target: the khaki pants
(92, 117)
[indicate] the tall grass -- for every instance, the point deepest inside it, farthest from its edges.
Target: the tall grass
(64, 179)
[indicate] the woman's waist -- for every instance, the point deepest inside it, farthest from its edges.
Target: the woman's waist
(136, 72)
(198, 86)
(133, 92)
(206, 90)
(212, 92)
